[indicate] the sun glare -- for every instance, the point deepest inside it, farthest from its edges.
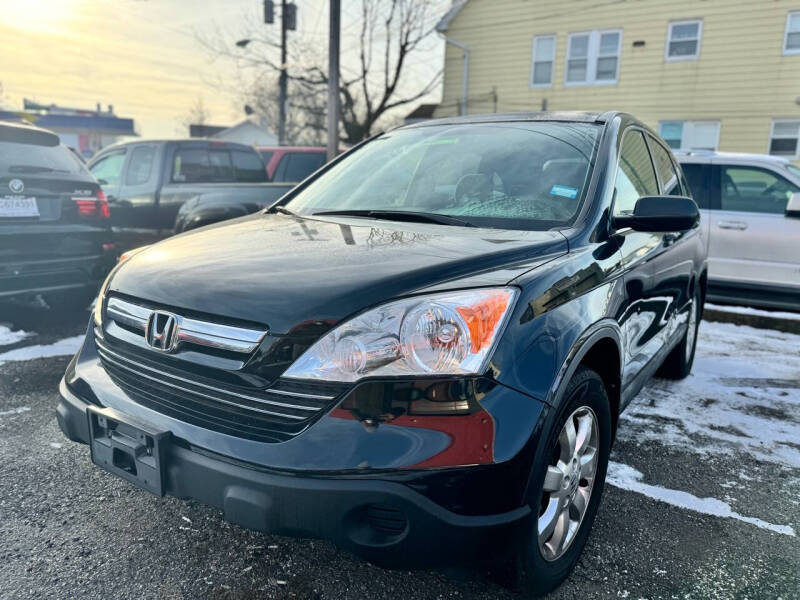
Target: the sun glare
(51, 16)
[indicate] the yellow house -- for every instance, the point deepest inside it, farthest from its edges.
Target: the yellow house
(705, 74)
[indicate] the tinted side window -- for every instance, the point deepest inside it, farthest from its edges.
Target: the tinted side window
(248, 166)
(635, 175)
(109, 168)
(296, 166)
(698, 183)
(749, 189)
(220, 162)
(667, 174)
(199, 165)
(301, 165)
(140, 165)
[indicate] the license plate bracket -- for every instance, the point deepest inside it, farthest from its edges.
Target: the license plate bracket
(134, 451)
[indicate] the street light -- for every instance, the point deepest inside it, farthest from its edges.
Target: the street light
(242, 43)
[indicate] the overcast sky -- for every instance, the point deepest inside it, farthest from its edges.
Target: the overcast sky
(142, 56)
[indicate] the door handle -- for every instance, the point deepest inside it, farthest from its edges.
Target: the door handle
(738, 225)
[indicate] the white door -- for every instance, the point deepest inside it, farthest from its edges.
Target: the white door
(752, 239)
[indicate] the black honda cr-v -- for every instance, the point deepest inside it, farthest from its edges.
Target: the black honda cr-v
(420, 353)
(55, 233)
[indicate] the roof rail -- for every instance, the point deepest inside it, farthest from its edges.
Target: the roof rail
(695, 152)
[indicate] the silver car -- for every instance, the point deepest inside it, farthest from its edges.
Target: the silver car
(750, 206)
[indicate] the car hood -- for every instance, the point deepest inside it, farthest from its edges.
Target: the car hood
(284, 271)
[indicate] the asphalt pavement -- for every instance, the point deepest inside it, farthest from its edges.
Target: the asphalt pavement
(703, 498)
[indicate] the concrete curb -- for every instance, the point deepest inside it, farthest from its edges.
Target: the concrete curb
(756, 320)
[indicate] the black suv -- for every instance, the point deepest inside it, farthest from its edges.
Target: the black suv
(421, 352)
(55, 234)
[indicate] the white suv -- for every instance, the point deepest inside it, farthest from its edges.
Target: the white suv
(750, 205)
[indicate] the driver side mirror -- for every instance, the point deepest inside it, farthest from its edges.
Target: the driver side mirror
(660, 214)
(793, 206)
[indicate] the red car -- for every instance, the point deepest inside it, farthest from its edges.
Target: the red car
(291, 163)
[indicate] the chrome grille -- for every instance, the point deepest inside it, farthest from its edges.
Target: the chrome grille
(187, 390)
(192, 331)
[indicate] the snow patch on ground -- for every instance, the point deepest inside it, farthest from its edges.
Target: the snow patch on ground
(628, 478)
(743, 395)
(756, 312)
(8, 337)
(15, 411)
(65, 347)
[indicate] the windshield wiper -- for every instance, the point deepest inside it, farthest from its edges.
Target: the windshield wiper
(399, 215)
(34, 169)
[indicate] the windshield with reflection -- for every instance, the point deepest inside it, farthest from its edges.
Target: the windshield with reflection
(511, 175)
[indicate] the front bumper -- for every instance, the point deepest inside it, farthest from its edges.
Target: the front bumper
(385, 522)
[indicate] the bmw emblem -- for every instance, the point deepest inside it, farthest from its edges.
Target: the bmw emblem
(16, 186)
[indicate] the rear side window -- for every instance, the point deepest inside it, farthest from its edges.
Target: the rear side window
(696, 176)
(266, 155)
(248, 166)
(140, 166)
(108, 170)
(32, 158)
(201, 165)
(750, 189)
(635, 175)
(296, 166)
(667, 174)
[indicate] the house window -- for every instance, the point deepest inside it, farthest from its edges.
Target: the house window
(690, 135)
(783, 139)
(593, 58)
(791, 39)
(683, 40)
(544, 53)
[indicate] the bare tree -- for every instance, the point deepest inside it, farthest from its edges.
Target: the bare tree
(373, 82)
(305, 117)
(196, 115)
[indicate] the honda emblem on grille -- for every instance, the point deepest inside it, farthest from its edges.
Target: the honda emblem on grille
(162, 331)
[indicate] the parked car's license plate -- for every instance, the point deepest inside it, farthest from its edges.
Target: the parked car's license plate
(18, 206)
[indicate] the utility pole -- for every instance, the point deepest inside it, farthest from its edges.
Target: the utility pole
(283, 79)
(333, 79)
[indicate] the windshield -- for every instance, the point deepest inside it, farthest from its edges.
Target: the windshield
(794, 170)
(520, 175)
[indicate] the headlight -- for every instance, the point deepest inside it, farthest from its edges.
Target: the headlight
(98, 303)
(437, 334)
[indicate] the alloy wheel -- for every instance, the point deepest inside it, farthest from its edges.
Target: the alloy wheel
(568, 483)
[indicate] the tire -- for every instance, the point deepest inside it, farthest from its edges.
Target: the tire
(541, 568)
(72, 300)
(678, 363)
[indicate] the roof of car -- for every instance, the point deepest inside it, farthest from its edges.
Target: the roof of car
(569, 116)
(291, 148)
(213, 142)
(709, 155)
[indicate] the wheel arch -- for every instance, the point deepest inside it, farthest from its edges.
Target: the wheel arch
(599, 349)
